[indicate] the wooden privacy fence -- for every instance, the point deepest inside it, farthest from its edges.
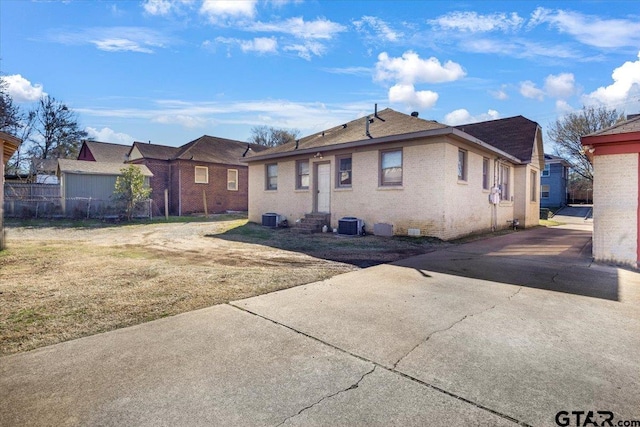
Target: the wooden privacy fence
(23, 200)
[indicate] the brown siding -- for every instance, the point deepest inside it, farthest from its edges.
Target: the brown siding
(161, 179)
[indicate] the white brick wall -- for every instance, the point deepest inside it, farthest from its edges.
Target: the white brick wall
(431, 198)
(615, 204)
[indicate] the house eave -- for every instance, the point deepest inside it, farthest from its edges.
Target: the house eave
(447, 131)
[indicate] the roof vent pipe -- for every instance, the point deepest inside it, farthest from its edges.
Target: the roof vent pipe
(367, 126)
(297, 142)
(247, 150)
(414, 114)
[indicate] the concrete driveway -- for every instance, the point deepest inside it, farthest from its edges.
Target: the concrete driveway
(503, 331)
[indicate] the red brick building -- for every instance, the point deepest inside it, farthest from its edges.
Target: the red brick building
(204, 175)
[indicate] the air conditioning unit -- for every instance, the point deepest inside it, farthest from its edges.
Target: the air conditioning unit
(271, 219)
(351, 226)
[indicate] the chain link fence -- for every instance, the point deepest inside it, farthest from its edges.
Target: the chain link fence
(26, 200)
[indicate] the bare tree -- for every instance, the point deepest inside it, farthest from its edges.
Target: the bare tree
(54, 131)
(10, 116)
(567, 131)
(271, 137)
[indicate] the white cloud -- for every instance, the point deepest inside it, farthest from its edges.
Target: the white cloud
(355, 71)
(626, 84)
(187, 121)
(157, 7)
(375, 29)
(500, 94)
(217, 11)
(260, 45)
(407, 94)
(560, 86)
(22, 90)
(114, 39)
(306, 50)
(528, 89)
(472, 22)
(462, 116)
(590, 30)
(109, 135)
(410, 69)
(563, 107)
(321, 28)
(120, 45)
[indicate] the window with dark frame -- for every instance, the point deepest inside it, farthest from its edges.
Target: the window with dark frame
(391, 168)
(302, 176)
(462, 165)
(503, 182)
(344, 172)
(272, 176)
(485, 173)
(534, 185)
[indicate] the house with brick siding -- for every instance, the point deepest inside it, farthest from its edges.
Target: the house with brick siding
(95, 151)
(615, 155)
(404, 175)
(204, 175)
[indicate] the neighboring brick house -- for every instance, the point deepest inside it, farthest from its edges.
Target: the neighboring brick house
(553, 182)
(399, 172)
(95, 151)
(8, 145)
(615, 154)
(207, 169)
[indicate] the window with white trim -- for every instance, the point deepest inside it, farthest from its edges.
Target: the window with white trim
(391, 168)
(232, 179)
(547, 170)
(201, 175)
(544, 191)
(272, 176)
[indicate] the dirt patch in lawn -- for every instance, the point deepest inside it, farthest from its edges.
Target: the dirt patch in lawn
(62, 281)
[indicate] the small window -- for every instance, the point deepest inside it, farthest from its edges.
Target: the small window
(503, 182)
(272, 176)
(302, 180)
(232, 179)
(544, 191)
(485, 173)
(391, 167)
(534, 185)
(344, 172)
(202, 175)
(462, 165)
(547, 170)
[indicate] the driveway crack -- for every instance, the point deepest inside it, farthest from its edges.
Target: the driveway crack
(395, 365)
(351, 387)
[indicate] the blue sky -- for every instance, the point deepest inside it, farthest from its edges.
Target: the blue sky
(171, 71)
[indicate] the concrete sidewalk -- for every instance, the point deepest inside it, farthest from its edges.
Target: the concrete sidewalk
(496, 332)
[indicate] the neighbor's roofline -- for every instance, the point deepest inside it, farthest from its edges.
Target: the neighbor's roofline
(458, 134)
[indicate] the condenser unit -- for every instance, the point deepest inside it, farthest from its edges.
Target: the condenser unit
(271, 220)
(351, 226)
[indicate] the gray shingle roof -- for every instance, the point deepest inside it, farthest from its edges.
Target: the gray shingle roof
(108, 152)
(155, 151)
(212, 149)
(513, 135)
(627, 126)
(387, 123)
(96, 168)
